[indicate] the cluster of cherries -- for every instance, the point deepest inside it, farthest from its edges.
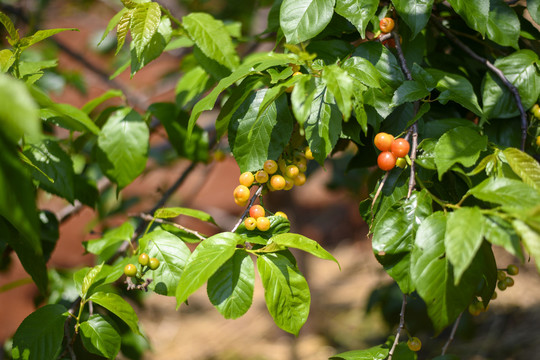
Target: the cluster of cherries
(257, 218)
(144, 260)
(393, 151)
(280, 175)
(503, 282)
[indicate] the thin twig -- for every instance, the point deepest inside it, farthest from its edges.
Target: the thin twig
(400, 327)
(251, 201)
(148, 218)
(495, 70)
(412, 178)
(452, 334)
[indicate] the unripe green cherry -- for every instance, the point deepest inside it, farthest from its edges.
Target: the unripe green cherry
(130, 270)
(270, 166)
(143, 259)
(512, 269)
(508, 281)
(153, 263)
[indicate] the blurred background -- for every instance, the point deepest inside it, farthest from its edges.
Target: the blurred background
(357, 307)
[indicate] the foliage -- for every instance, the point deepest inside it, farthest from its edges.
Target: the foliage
(455, 78)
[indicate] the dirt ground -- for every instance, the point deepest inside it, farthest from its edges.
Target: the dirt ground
(338, 319)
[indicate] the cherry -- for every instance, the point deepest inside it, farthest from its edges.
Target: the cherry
(501, 275)
(508, 281)
(277, 182)
(308, 153)
(401, 162)
(240, 203)
(386, 24)
(282, 214)
(263, 223)
(143, 259)
(502, 285)
(256, 211)
(300, 179)
(250, 223)
(538, 141)
(270, 166)
(383, 141)
(536, 111)
(130, 270)
(247, 179)
(153, 263)
(261, 176)
(400, 147)
(241, 193)
(386, 161)
(414, 344)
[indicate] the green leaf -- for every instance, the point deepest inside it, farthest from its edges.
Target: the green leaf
(415, 13)
(503, 24)
(69, 117)
(302, 20)
(285, 290)
(278, 225)
(123, 146)
(40, 335)
(303, 243)
(302, 98)
(507, 192)
(8, 24)
(230, 288)
(7, 59)
(175, 123)
(191, 86)
(530, 239)
(409, 91)
(99, 336)
(456, 88)
(475, 13)
(212, 38)
(145, 20)
(153, 49)
(109, 94)
(394, 234)
(433, 274)
(112, 24)
(379, 352)
(358, 12)
(362, 70)
(207, 258)
(18, 111)
(464, 235)
(524, 165)
(500, 232)
(112, 237)
(118, 307)
(254, 139)
(172, 212)
(520, 68)
(57, 166)
(89, 279)
(39, 36)
(340, 85)
(461, 145)
(323, 125)
(534, 10)
(172, 255)
(122, 29)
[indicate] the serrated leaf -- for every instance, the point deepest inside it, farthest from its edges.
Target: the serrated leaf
(340, 85)
(464, 235)
(520, 68)
(379, 352)
(89, 280)
(172, 255)
(503, 24)
(302, 20)
(40, 335)
(99, 337)
(302, 98)
(207, 258)
(415, 13)
(500, 232)
(39, 36)
(285, 290)
(69, 117)
(530, 238)
(212, 38)
(409, 91)
(254, 139)
(118, 306)
(123, 146)
(507, 192)
(7, 59)
(301, 242)
(8, 24)
(456, 88)
(358, 12)
(524, 165)
(533, 6)
(119, 234)
(191, 86)
(153, 48)
(122, 29)
(475, 13)
(362, 70)
(230, 289)
(172, 212)
(278, 225)
(112, 24)
(460, 145)
(144, 23)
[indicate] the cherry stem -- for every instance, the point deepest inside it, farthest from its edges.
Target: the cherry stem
(400, 327)
(495, 70)
(244, 214)
(452, 334)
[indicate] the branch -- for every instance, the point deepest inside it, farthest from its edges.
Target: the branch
(454, 328)
(495, 70)
(149, 218)
(400, 327)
